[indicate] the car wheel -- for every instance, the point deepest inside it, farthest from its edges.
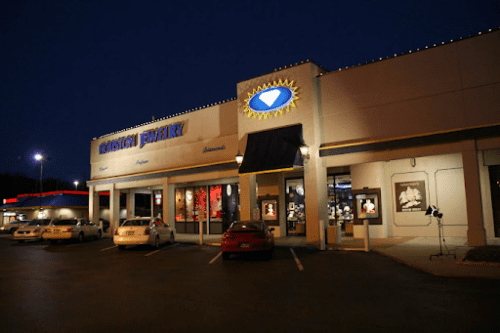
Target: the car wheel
(53, 241)
(172, 238)
(122, 247)
(157, 242)
(226, 255)
(99, 234)
(81, 237)
(20, 241)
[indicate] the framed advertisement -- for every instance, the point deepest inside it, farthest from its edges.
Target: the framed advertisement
(410, 196)
(367, 205)
(269, 210)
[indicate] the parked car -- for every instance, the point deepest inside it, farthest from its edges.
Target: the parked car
(77, 228)
(32, 231)
(11, 227)
(143, 231)
(247, 237)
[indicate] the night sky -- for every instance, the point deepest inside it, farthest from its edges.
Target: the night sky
(74, 70)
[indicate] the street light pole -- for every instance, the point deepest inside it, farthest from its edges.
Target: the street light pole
(39, 157)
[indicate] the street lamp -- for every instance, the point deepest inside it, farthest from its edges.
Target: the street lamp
(76, 184)
(39, 157)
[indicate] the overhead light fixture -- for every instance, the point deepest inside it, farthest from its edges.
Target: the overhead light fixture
(239, 158)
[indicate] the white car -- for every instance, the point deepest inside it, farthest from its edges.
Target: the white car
(65, 229)
(143, 230)
(11, 227)
(32, 231)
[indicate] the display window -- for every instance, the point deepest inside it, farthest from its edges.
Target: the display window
(340, 204)
(216, 203)
(295, 206)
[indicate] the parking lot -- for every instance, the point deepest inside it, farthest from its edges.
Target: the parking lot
(94, 287)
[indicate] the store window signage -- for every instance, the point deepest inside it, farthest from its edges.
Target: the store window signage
(210, 149)
(158, 134)
(271, 99)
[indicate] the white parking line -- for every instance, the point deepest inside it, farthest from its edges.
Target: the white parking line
(109, 248)
(216, 257)
(150, 253)
(301, 268)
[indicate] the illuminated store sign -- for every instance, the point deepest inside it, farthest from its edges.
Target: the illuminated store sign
(158, 134)
(271, 99)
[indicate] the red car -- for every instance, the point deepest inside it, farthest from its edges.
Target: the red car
(247, 237)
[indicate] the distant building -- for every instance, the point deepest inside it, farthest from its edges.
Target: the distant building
(385, 140)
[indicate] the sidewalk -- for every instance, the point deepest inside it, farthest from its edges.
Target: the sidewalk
(411, 251)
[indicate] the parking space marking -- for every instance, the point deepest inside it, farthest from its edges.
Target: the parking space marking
(301, 268)
(109, 248)
(150, 253)
(216, 257)
(72, 244)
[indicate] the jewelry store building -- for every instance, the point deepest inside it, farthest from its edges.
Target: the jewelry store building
(384, 141)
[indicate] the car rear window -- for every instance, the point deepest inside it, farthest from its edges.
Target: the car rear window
(245, 226)
(135, 223)
(37, 222)
(65, 222)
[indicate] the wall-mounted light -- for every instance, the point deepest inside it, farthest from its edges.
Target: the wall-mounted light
(304, 150)
(239, 158)
(413, 162)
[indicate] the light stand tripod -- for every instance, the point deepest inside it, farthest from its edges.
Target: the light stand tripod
(435, 212)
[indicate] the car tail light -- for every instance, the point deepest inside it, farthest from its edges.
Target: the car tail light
(147, 231)
(116, 232)
(69, 230)
(229, 236)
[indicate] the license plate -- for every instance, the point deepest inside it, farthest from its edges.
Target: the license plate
(245, 245)
(130, 233)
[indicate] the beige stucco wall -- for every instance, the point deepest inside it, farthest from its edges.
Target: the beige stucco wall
(212, 127)
(452, 86)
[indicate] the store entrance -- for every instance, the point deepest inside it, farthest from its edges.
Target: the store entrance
(495, 196)
(295, 207)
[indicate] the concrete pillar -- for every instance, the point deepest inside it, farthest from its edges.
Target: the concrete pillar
(476, 235)
(316, 193)
(152, 199)
(248, 196)
(165, 200)
(131, 204)
(94, 209)
(114, 209)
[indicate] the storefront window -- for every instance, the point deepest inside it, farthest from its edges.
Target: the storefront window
(339, 199)
(180, 205)
(216, 203)
(295, 206)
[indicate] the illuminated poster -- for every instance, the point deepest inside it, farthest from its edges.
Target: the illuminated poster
(269, 210)
(410, 196)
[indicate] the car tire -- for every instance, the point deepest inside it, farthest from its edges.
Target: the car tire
(53, 241)
(20, 240)
(226, 255)
(81, 237)
(172, 238)
(156, 244)
(99, 234)
(122, 247)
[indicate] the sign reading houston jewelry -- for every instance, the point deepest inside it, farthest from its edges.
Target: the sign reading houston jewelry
(271, 99)
(144, 138)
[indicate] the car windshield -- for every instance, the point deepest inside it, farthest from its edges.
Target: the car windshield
(38, 222)
(246, 226)
(65, 222)
(135, 223)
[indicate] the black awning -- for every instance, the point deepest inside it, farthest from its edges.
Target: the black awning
(273, 150)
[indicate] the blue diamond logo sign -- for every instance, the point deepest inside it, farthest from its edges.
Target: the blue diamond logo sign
(271, 99)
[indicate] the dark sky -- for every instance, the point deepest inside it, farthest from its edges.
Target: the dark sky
(74, 70)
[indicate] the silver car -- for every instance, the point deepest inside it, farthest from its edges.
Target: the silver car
(32, 231)
(66, 229)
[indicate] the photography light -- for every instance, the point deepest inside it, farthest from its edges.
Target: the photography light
(434, 212)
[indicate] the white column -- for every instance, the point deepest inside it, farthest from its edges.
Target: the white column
(476, 235)
(114, 209)
(131, 204)
(248, 196)
(94, 209)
